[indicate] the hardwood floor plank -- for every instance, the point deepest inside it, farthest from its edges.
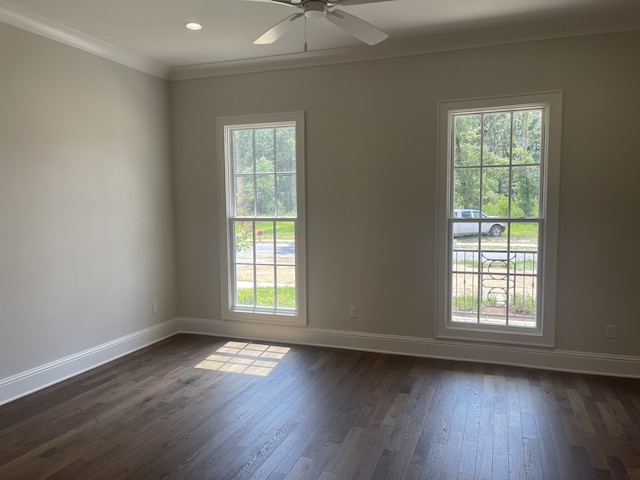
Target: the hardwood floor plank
(548, 456)
(320, 413)
(320, 460)
(483, 468)
(514, 417)
(416, 472)
(468, 455)
(584, 469)
(562, 447)
(345, 452)
(455, 437)
(580, 413)
(528, 423)
(439, 416)
(405, 444)
(372, 449)
(472, 425)
(517, 467)
(328, 409)
(532, 458)
(383, 467)
(500, 466)
(500, 434)
(299, 469)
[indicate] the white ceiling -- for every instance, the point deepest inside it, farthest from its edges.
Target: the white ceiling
(153, 31)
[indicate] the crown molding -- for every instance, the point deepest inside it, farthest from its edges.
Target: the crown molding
(465, 37)
(26, 20)
(462, 39)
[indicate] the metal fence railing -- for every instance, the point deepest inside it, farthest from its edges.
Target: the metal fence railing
(494, 287)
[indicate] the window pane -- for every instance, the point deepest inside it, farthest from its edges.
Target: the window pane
(286, 275)
(265, 278)
(243, 151)
(464, 279)
(493, 309)
(286, 150)
(466, 150)
(526, 192)
(524, 236)
(527, 128)
(286, 195)
(285, 243)
(245, 201)
(466, 188)
(244, 241)
(496, 142)
(466, 232)
(245, 285)
(464, 255)
(523, 298)
(264, 243)
(495, 285)
(523, 302)
(264, 150)
(464, 297)
(496, 191)
(265, 201)
(286, 292)
(526, 262)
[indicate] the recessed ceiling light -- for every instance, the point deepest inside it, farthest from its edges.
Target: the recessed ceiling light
(193, 26)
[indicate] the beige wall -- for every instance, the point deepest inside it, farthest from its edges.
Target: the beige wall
(87, 205)
(371, 136)
(86, 225)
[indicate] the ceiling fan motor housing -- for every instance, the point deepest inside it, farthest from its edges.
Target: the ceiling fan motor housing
(315, 9)
(354, 26)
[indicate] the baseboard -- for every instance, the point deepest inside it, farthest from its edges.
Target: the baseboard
(43, 376)
(548, 359)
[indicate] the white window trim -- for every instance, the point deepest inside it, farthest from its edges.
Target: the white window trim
(544, 336)
(292, 317)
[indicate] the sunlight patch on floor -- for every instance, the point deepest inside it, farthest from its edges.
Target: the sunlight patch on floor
(247, 358)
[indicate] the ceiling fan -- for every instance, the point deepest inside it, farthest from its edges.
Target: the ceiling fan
(354, 26)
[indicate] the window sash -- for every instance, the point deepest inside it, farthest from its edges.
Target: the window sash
(542, 282)
(498, 277)
(250, 272)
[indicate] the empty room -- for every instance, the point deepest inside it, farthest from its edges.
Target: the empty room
(279, 239)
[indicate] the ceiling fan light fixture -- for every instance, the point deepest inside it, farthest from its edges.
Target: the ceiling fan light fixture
(352, 25)
(315, 9)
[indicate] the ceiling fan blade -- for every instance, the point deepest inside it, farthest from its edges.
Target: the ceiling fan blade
(278, 30)
(354, 2)
(288, 3)
(356, 27)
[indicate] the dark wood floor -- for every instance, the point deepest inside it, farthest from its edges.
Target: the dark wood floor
(198, 407)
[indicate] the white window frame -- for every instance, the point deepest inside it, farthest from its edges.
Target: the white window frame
(298, 315)
(543, 335)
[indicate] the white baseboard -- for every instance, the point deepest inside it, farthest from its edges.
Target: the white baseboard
(548, 359)
(43, 376)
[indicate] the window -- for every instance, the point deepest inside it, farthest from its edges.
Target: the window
(263, 231)
(498, 209)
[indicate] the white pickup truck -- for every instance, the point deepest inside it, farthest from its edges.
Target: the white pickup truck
(460, 229)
